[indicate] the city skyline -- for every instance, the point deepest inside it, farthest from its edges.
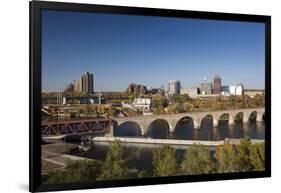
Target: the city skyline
(122, 49)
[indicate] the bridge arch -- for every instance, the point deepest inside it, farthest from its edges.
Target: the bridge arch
(161, 119)
(194, 122)
(207, 117)
(238, 117)
(226, 117)
(253, 116)
(139, 128)
(155, 128)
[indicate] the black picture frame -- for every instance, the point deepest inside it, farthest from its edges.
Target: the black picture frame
(35, 93)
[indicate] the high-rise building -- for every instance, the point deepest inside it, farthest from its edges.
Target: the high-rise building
(77, 86)
(206, 88)
(217, 85)
(174, 87)
(87, 83)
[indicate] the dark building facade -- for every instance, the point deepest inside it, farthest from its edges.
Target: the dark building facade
(156, 91)
(137, 89)
(87, 82)
(217, 85)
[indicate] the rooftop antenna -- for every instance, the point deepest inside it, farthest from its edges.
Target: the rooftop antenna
(205, 78)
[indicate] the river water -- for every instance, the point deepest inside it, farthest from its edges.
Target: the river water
(184, 130)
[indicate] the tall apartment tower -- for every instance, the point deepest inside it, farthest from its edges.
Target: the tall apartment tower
(217, 85)
(174, 87)
(87, 82)
(77, 86)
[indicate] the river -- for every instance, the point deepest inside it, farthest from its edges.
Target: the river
(184, 130)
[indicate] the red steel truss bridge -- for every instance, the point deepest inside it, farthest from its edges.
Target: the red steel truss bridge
(63, 128)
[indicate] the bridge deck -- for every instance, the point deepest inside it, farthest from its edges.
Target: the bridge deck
(73, 121)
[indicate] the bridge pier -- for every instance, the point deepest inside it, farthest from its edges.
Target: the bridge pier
(245, 118)
(110, 131)
(196, 124)
(215, 122)
(231, 120)
(172, 130)
(259, 117)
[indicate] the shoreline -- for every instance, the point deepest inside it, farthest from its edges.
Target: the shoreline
(171, 141)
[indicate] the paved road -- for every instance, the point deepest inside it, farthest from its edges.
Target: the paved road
(60, 159)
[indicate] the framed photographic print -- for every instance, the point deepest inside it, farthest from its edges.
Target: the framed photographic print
(125, 96)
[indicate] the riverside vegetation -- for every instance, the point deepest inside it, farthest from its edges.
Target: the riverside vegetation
(197, 159)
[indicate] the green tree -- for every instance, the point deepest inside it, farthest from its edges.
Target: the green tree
(197, 160)
(113, 111)
(165, 161)
(257, 156)
(81, 111)
(243, 155)
(226, 158)
(188, 107)
(231, 101)
(76, 171)
(118, 163)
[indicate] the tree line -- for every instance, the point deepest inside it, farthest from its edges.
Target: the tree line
(183, 103)
(197, 159)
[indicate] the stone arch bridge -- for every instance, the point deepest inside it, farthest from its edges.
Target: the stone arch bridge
(172, 119)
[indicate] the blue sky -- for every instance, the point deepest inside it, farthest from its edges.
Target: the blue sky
(120, 49)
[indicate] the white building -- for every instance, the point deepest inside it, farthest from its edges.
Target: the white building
(143, 104)
(236, 89)
(191, 92)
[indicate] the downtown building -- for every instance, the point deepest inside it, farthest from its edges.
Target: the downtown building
(191, 92)
(85, 84)
(174, 87)
(217, 85)
(137, 89)
(77, 86)
(206, 88)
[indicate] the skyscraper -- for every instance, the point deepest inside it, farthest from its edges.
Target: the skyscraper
(87, 83)
(77, 86)
(217, 85)
(174, 87)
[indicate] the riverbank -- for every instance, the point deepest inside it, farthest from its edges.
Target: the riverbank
(56, 155)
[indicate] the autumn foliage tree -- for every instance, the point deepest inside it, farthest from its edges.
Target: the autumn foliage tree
(165, 161)
(197, 160)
